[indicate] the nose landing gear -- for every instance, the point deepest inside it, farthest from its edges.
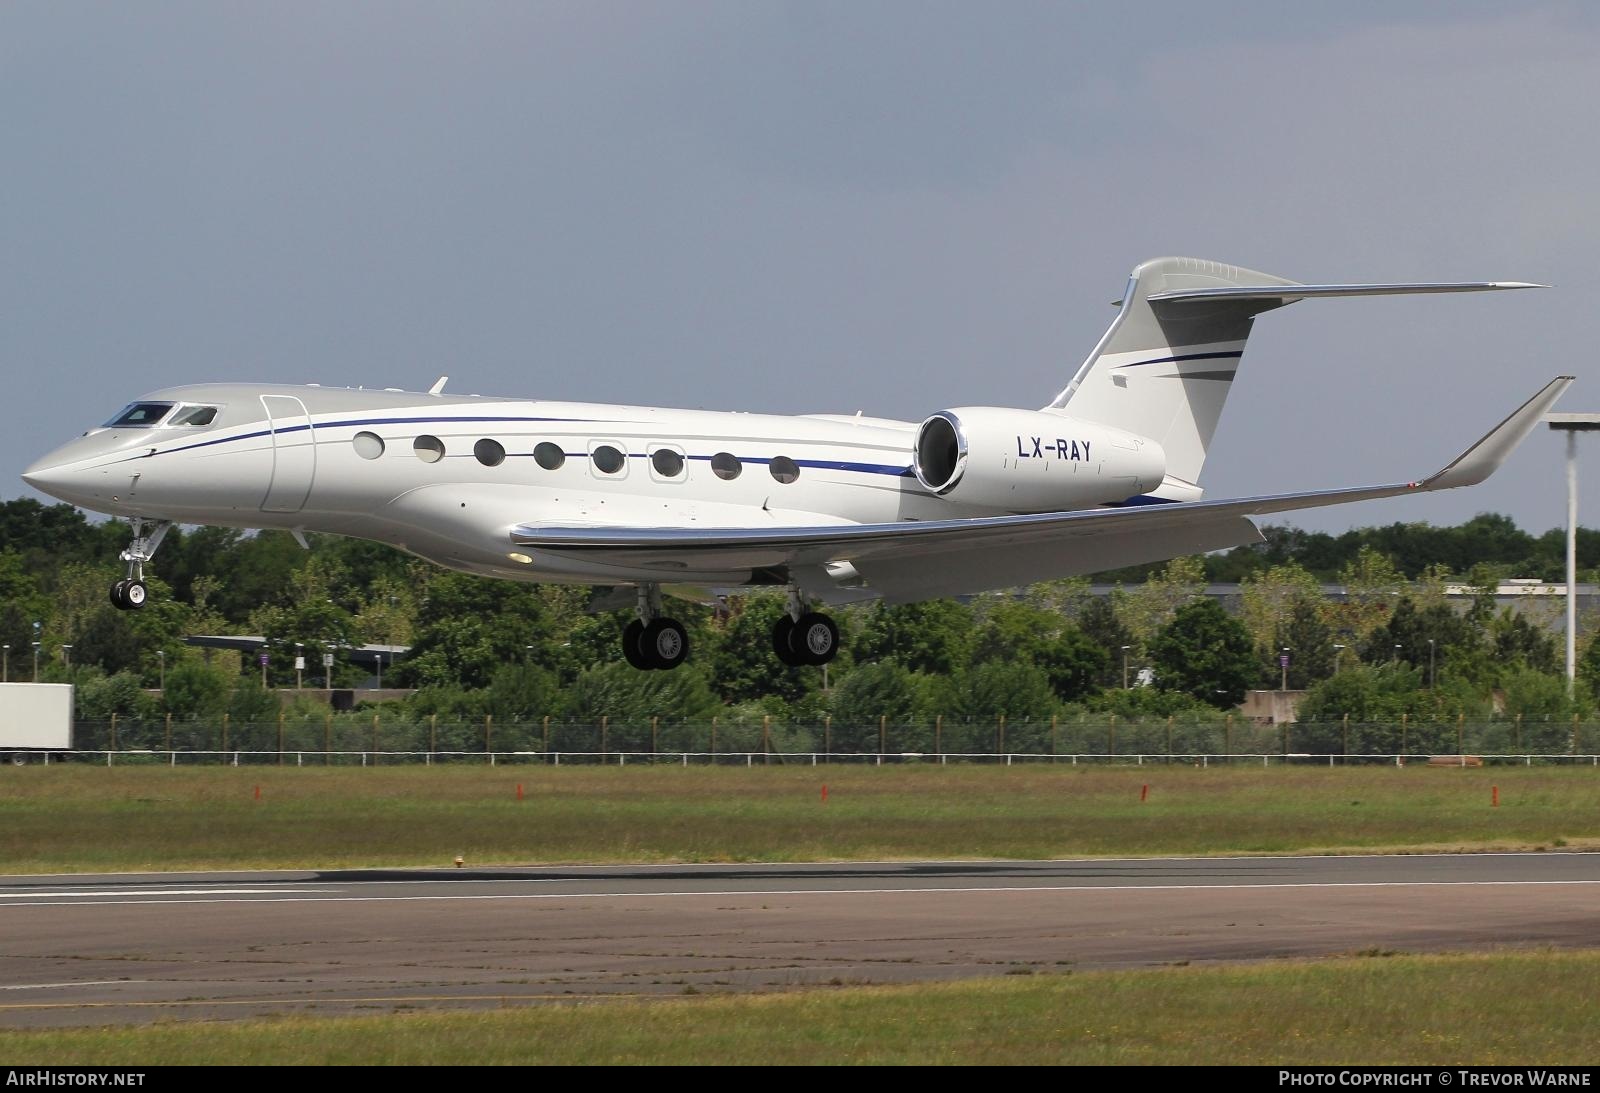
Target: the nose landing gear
(130, 594)
(651, 641)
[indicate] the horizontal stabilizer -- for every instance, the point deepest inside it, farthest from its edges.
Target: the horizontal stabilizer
(1287, 294)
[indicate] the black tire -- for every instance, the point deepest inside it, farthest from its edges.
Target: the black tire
(815, 639)
(134, 594)
(116, 595)
(782, 642)
(665, 644)
(633, 646)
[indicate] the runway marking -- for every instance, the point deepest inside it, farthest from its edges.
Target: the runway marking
(750, 892)
(163, 892)
(313, 1000)
(75, 983)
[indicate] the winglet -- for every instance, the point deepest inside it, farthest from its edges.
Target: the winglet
(438, 388)
(1484, 458)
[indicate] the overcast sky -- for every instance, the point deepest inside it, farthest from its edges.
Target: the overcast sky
(888, 207)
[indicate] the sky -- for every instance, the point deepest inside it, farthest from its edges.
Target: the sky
(892, 207)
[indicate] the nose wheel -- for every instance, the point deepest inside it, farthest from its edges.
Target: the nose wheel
(653, 642)
(130, 593)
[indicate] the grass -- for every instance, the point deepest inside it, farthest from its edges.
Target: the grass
(1423, 1010)
(72, 818)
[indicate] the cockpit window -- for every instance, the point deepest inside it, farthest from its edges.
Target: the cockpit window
(194, 415)
(140, 415)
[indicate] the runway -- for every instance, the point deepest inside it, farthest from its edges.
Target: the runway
(106, 949)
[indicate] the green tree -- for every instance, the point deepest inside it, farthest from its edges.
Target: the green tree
(934, 636)
(1204, 653)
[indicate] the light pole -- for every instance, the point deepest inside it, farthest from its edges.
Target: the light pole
(380, 671)
(1396, 659)
(299, 666)
(1430, 664)
(5, 672)
(66, 656)
(1283, 664)
(1338, 658)
(161, 668)
(36, 662)
(1125, 649)
(1572, 425)
(264, 656)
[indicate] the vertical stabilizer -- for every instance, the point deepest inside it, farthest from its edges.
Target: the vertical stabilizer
(1164, 368)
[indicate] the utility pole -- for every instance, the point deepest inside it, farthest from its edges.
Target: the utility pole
(1572, 425)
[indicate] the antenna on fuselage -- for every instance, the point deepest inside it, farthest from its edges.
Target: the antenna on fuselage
(438, 388)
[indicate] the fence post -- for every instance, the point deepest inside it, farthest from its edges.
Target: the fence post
(938, 733)
(604, 719)
(488, 732)
(546, 733)
(766, 734)
(433, 734)
(280, 736)
(224, 732)
(1575, 740)
(1227, 736)
(113, 732)
(1111, 736)
(1347, 738)
(374, 736)
(1516, 733)
(653, 721)
(883, 732)
(827, 734)
(713, 734)
(169, 730)
(1461, 718)
(1169, 736)
(1053, 748)
(1000, 735)
(1403, 718)
(327, 738)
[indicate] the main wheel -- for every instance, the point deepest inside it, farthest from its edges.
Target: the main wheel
(134, 594)
(783, 632)
(117, 599)
(633, 646)
(665, 643)
(815, 638)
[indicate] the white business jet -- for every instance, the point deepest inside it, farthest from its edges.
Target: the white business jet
(689, 502)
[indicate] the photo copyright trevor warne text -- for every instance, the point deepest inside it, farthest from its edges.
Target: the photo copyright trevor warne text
(1437, 1077)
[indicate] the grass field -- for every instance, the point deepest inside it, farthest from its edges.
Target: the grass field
(73, 818)
(1440, 1010)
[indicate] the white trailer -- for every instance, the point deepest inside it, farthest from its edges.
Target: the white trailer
(35, 718)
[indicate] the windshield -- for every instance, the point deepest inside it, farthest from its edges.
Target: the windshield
(140, 415)
(194, 415)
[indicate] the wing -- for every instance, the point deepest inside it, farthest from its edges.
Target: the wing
(916, 560)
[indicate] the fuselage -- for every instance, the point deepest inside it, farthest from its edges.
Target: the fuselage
(446, 477)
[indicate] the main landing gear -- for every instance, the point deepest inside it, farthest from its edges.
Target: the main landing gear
(129, 594)
(651, 641)
(800, 638)
(804, 637)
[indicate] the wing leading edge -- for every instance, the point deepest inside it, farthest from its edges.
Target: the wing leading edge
(914, 560)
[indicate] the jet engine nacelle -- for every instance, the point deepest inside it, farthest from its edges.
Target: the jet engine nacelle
(1032, 460)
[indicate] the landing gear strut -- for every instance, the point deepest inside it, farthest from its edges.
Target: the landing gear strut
(804, 637)
(129, 594)
(650, 641)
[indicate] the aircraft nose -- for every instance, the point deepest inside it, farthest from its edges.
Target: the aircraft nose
(43, 474)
